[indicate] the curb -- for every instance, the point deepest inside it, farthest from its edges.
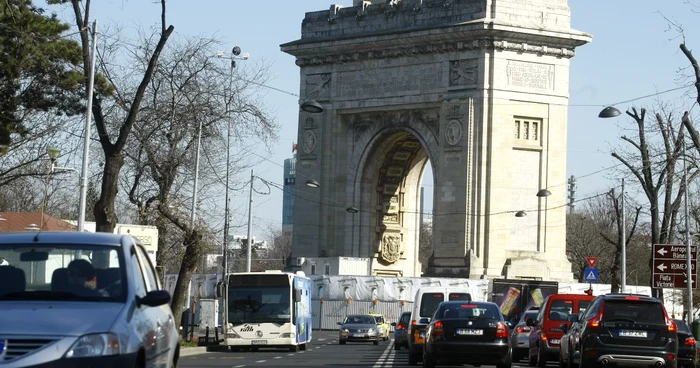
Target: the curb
(192, 351)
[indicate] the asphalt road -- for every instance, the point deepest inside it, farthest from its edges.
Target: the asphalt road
(324, 351)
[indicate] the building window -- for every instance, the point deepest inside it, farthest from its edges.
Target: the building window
(327, 269)
(527, 130)
(313, 269)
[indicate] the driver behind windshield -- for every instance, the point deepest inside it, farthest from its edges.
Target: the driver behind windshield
(82, 277)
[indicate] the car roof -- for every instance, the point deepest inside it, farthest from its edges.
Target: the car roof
(72, 237)
(453, 302)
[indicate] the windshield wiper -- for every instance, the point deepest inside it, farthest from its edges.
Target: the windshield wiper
(40, 295)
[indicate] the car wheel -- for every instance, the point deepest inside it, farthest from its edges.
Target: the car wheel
(541, 360)
(375, 342)
(531, 360)
(176, 358)
(428, 361)
(397, 346)
(562, 364)
(341, 342)
(412, 359)
(503, 365)
(570, 359)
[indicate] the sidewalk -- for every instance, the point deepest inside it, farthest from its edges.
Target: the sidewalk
(187, 351)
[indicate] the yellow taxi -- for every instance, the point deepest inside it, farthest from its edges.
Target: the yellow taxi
(382, 325)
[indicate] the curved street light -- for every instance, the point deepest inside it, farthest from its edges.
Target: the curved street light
(544, 193)
(609, 112)
(521, 213)
(312, 106)
(352, 209)
(313, 183)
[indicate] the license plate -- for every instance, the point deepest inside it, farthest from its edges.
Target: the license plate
(258, 342)
(358, 335)
(554, 341)
(469, 332)
(633, 333)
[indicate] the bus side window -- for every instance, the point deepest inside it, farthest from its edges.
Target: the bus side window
(297, 295)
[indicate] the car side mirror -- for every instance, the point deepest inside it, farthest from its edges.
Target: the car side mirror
(297, 295)
(572, 318)
(393, 324)
(530, 322)
(424, 321)
(564, 327)
(340, 323)
(154, 298)
(219, 289)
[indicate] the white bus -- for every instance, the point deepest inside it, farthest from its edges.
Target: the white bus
(267, 309)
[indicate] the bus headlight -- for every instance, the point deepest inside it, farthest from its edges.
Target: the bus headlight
(287, 335)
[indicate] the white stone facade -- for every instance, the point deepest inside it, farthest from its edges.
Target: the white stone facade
(479, 88)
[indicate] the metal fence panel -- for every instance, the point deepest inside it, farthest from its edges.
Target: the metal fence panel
(327, 314)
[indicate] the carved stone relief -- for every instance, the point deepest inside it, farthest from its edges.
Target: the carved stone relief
(530, 75)
(390, 248)
(318, 86)
(453, 132)
(463, 72)
(309, 141)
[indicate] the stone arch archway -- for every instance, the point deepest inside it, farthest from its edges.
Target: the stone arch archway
(478, 88)
(392, 150)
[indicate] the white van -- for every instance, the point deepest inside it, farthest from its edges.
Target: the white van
(424, 305)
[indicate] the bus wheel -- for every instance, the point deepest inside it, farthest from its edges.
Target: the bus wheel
(254, 350)
(294, 348)
(302, 347)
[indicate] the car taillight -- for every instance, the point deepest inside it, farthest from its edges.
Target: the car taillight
(400, 326)
(522, 329)
(689, 341)
(501, 330)
(438, 329)
(670, 324)
(595, 321)
(413, 322)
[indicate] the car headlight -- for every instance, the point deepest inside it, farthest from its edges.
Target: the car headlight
(344, 330)
(371, 330)
(95, 345)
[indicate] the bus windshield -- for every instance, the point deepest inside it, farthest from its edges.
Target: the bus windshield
(259, 304)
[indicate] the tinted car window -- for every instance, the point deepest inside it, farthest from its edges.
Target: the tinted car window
(456, 310)
(639, 311)
(405, 318)
(530, 314)
(682, 326)
(583, 305)
(429, 303)
(379, 320)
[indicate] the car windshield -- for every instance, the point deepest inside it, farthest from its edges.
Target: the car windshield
(636, 311)
(379, 319)
(359, 320)
(61, 272)
(530, 315)
(259, 304)
(467, 310)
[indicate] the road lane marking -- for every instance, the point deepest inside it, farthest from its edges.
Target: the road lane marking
(261, 361)
(239, 366)
(383, 359)
(290, 354)
(277, 357)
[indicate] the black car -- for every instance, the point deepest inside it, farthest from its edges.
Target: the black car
(467, 333)
(625, 329)
(687, 346)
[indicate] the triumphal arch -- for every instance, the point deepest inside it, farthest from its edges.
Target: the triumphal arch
(478, 88)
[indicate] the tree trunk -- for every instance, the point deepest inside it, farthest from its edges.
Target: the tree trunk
(615, 270)
(190, 260)
(105, 218)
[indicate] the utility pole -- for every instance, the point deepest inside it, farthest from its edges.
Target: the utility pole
(86, 138)
(623, 251)
(688, 243)
(250, 224)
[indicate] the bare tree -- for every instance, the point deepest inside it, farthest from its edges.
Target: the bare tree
(652, 161)
(425, 244)
(114, 115)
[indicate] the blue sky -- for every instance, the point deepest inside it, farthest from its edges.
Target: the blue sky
(633, 54)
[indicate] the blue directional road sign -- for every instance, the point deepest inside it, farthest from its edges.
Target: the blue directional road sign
(590, 274)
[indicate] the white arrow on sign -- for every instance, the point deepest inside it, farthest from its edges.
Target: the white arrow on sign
(662, 267)
(662, 251)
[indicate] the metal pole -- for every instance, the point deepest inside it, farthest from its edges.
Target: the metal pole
(86, 138)
(623, 265)
(250, 224)
(224, 318)
(688, 240)
(193, 213)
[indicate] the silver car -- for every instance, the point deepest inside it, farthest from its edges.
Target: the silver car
(359, 327)
(520, 335)
(70, 299)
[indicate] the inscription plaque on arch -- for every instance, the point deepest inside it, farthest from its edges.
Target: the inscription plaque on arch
(530, 75)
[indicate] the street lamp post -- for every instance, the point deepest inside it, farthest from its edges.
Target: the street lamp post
(623, 237)
(86, 137)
